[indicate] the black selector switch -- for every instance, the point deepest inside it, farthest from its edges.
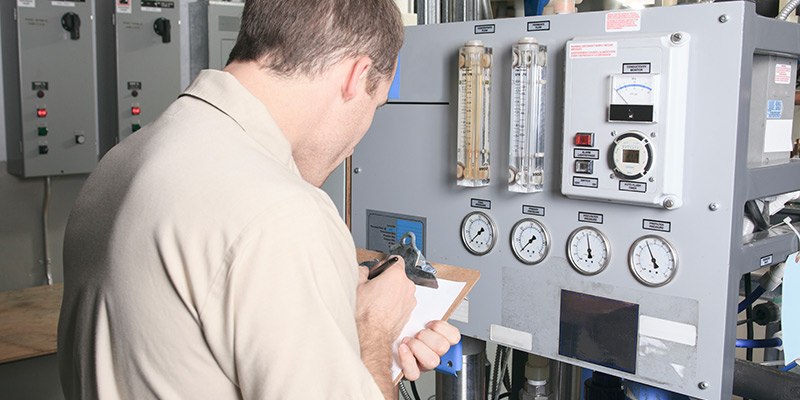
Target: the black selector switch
(43, 149)
(72, 24)
(163, 28)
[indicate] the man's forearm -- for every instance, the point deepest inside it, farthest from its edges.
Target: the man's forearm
(377, 357)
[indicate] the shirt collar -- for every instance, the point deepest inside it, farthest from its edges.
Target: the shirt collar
(223, 91)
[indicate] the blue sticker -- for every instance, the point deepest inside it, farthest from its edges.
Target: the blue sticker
(404, 226)
(394, 90)
(791, 304)
(774, 109)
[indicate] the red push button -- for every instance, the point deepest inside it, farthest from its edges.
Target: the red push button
(41, 112)
(584, 139)
(135, 110)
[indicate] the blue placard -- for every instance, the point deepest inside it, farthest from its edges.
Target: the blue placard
(404, 225)
(774, 109)
(394, 90)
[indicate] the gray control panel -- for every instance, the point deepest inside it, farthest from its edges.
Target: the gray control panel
(52, 112)
(616, 280)
(224, 20)
(161, 47)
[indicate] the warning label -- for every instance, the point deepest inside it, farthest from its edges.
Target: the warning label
(624, 21)
(783, 74)
(593, 50)
(123, 6)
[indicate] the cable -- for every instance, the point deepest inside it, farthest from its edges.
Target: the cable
(503, 369)
(750, 299)
(748, 286)
(758, 343)
(495, 367)
(507, 379)
(404, 392)
(787, 9)
(45, 236)
(414, 390)
(789, 366)
(504, 395)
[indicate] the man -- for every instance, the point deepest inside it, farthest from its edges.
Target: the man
(201, 259)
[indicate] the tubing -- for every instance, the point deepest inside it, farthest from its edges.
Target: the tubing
(758, 343)
(752, 297)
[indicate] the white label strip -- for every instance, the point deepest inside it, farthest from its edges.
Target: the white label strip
(26, 3)
(151, 9)
(62, 4)
(511, 337)
(461, 314)
(672, 331)
(778, 135)
(593, 50)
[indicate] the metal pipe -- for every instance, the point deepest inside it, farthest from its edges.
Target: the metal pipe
(429, 12)
(45, 236)
(471, 381)
(754, 381)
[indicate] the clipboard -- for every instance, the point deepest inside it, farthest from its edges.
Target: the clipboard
(468, 277)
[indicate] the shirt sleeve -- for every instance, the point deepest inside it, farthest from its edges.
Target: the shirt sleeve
(280, 318)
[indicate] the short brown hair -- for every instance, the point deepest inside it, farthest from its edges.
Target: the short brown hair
(308, 36)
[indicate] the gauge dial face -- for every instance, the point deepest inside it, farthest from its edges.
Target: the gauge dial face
(530, 241)
(634, 89)
(653, 260)
(478, 233)
(588, 250)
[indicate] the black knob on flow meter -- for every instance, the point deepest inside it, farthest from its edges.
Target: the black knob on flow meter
(163, 28)
(71, 22)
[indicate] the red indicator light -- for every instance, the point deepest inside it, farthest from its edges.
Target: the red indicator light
(584, 139)
(135, 110)
(41, 112)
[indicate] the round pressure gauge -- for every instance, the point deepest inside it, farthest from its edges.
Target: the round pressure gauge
(653, 260)
(530, 241)
(631, 155)
(588, 250)
(478, 233)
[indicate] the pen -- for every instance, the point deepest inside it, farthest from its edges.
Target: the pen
(383, 266)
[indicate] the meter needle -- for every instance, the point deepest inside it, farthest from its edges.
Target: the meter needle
(529, 242)
(652, 257)
(588, 247)
(621, 96)
(477, 234)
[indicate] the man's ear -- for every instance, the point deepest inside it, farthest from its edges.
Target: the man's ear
(356, 76)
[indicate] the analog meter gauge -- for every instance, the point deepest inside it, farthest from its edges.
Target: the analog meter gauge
(530, 241)
(478, 233)
(631, 155)
(653, 260)
(588, 250)
(634, 98)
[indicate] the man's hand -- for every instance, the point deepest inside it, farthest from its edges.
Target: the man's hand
(383, 306)
(423, 352)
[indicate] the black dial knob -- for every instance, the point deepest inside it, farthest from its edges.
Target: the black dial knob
(72, 24)
(163, 28)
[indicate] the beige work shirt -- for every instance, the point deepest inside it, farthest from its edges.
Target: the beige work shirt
(198, 264)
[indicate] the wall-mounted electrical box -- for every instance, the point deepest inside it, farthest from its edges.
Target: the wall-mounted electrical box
(161, 47)
(51, 64)
(224, 20)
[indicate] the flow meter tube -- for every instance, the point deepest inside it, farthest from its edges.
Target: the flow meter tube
(474, 87)
(526, 133)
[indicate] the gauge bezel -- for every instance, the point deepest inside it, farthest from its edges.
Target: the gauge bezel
(571, 259)
(636, 275)
(546, 234)
(492, 225)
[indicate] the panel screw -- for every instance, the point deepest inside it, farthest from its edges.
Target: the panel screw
(613, 133)
(669, 203)
(652, 179)
(703, 385)
(713, 206)
(724, 18)
(611, 176)
(652, 134)
(357, 170)
(676, 37)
